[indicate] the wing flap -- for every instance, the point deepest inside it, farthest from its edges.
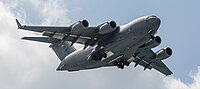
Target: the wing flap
(142, 63)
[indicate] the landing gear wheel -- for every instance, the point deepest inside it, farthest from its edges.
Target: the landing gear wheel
(99, 58)
(98, 55)
(118, 66)
(121, 66)
(96, 58)
(126, 63)
(104, 55)
(152, 37)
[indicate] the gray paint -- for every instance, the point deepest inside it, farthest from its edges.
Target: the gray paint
(123, 42)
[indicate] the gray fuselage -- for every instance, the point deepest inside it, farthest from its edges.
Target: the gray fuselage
(123, 42)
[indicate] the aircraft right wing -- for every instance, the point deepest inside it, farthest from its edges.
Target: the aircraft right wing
(42, 28)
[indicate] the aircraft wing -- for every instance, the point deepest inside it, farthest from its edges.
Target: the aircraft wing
(86, 36)
(142, 63)
(42, 28)
(161, 67)
(146, 62)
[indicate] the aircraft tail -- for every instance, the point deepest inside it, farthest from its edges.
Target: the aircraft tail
(62, 49)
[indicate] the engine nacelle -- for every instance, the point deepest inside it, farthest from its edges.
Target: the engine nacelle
(107, 27)
(80, 25)
(163, 53)
(154, 42)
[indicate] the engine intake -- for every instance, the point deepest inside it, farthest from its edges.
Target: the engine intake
(80, 25)
(113, 24)
(154, 42)
(107, 27)
(85, 23)
(164, 53)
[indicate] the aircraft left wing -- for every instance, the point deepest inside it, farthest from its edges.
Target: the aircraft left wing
(78, 32)
(161, 67)
(148, 59)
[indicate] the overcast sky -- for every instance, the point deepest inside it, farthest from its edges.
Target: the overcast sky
(32, 65)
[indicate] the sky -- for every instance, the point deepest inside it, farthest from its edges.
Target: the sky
(32, 65)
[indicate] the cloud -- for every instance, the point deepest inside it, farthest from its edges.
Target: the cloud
(19, 68)
(173, 83)
(30, 65)
(52, 12)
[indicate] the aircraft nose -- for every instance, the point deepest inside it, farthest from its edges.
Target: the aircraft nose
(153, 16)
(157, 21)
(154, 20)
(153, 23)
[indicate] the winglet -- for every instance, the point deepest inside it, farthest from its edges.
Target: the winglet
(18, 24)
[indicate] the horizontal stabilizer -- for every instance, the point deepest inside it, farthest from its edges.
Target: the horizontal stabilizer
(41, 39)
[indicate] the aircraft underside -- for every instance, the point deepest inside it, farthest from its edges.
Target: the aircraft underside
(105, 45)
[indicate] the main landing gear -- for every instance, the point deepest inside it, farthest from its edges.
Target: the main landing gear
(98, 55)
(122, 63)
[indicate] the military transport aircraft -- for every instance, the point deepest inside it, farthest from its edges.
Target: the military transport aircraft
(105, 45)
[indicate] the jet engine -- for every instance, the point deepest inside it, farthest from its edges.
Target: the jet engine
(80, 25)
(163, 53)
(107, 27)
(154, 42)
